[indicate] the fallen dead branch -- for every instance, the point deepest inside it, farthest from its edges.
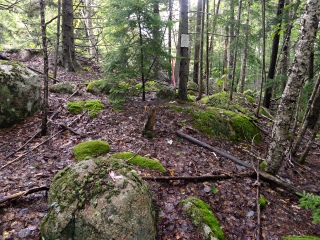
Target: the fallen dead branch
(199, 178)
(21, 156)
(23, 193)
(265, 176)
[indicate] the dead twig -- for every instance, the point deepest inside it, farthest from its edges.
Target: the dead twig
(21, 156)
(264, 175)
(20, 194)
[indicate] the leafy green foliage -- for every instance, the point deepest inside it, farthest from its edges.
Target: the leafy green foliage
(311, 201)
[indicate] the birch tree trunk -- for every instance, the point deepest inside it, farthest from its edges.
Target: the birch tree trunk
(299, 69)
(87, 14)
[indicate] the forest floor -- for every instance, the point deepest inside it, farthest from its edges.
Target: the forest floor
(234, 202)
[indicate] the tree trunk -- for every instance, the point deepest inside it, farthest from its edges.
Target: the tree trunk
(56, 55)
(245, 51)
(200, 73)
(170, 43)
(231, 42)
(197, 43)
(263, 68)
(274, 54)
(184, 50)
(299, 68)
(225, 60)
(45, 69)
(234, 65)
(68, 48)
(311, 116)
(87, 14)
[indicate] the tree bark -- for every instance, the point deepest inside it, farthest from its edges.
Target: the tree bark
(56, 55)
(200, 73)
(197, 44)
(245, 51)
(45, 69)
(87, 14)
(68, 48)
(299, 68)
(311, 116)
(184, 50)
(234, 65)
(274, 54)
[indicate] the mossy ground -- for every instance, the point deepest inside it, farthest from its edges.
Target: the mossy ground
(200, 212)
(93, 106)
(300, 238)
(90, 149)
(138, 160)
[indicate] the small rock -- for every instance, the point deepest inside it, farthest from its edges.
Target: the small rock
(24, 232)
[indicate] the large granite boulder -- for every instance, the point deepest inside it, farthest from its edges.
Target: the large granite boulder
(100, 198)
(20, 90)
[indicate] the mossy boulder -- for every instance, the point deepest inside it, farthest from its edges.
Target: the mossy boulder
(135, 159)
(93, 106)
(223, 124)
(100, 198)
(300, 238)
(99, 86)
(167, 93)
(201, 215)
(90, 149)
(63, 87)
(20, 93)
(221, 101)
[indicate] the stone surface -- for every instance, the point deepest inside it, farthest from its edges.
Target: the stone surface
(63, 87)
(20, 93)
(100, 198)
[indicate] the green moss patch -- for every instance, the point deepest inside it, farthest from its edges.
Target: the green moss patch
(138, 160)
(99, 86)
(263, 202)
(222, 124)
(221, 100)
(93, 106)
(301, 238)
(90, 149)
(201, 215)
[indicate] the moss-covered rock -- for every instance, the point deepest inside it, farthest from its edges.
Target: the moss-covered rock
(201, 215)
(138, 160)
(93, 106)
(90, 149)
(99, 86)
(20, 93)
(221, 100)
(167, 93)
(63, 87)
(300, 238)
(222, 124)
(86, 201)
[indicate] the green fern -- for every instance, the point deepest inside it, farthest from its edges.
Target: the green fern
(311, 201)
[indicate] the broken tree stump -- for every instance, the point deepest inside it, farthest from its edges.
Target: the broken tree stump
(148, 130)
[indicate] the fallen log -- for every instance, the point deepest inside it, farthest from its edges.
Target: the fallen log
(20, 194)
(199, 178)
(264, 175)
